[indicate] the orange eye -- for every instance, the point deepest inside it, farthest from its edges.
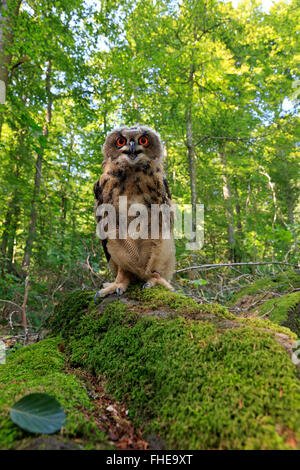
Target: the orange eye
(143, 140)
(121, 141)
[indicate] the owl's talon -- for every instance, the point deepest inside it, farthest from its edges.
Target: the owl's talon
(98, 294)
(147, 285)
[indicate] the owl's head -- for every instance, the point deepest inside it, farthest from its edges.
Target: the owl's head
(130, 145)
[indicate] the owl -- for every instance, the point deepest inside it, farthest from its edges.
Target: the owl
(133, 167)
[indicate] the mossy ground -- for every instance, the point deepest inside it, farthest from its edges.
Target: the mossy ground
(40, 368)
(160, 298)
(278, 309)
(195, 384)
(279, 283)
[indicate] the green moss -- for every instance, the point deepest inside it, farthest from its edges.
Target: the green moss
(197, 385)
(270, 325)
(158, 297)
(281, 308)
(74, 305)
(39, 368)
(216, 309)
(279, 283)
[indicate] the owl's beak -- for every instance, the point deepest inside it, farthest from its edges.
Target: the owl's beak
(132, 153)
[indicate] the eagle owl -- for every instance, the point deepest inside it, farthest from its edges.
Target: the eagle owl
(133, 167)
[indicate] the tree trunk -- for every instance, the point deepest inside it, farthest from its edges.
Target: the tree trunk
(191, 159)
(239, 240)
(227, 193)
(291, 199)
(9, 9)
(238, 212)
(13, 208)
(190, 143)
(10, 227)
(38, 176)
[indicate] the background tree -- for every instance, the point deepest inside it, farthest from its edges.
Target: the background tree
(215, 80)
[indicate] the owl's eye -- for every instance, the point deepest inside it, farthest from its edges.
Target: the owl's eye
(121, 141)
(143, 140)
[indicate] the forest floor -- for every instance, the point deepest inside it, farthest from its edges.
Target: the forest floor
(110, 415)
(113, 412)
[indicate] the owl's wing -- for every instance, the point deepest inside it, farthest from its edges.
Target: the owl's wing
(99, 200)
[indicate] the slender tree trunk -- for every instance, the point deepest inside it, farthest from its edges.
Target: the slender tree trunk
(9, 232)
(238, 213)
(189, 126)
(273, 192)
(291, 198)
(38, 176)
(7, 224)
(190, 144)
(11, 224)
(191, 158)
(13, 208)
(73, 218)
(13, 231)
(239, 226)
(227, 193)
(9, 10)
(64, 194)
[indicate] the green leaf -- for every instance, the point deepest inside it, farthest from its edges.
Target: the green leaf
(38, 413)
(198, 282)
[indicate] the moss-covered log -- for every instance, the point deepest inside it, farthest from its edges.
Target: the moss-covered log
(276, 298)
(194, 375)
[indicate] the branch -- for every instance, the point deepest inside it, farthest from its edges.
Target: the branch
(12, 303)
(216, 266)
(24, 308)
(15, 66)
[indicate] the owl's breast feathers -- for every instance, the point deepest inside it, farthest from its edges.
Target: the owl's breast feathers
(144, 183)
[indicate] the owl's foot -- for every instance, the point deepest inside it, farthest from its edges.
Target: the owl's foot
(111, 288)
(157, 280)
(107, 284)
(148, 285)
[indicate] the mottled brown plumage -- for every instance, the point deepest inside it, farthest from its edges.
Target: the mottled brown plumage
(135, 170)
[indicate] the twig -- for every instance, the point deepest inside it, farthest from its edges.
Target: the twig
(10, 302)
(24, 309)
(216, 266)
(270, 311)
(290, 250)
(91, 271)
(239, 277)
(257, 302)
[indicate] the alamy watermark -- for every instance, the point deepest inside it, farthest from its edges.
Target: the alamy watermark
(155, 221)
